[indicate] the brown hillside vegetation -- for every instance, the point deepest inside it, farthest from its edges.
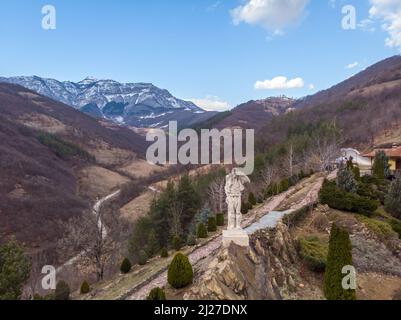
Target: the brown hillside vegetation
(43, 146)
(254, 114)
(364, 107)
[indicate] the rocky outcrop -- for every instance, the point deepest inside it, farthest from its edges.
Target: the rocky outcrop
(264, 271)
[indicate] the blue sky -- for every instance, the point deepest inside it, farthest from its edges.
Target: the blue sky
(214, 52)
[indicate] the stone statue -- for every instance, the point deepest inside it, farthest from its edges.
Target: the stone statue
(234, 187)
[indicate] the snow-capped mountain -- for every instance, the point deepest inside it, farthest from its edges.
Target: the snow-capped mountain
(135, 104)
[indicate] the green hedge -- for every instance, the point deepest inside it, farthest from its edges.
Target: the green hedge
(335, 198)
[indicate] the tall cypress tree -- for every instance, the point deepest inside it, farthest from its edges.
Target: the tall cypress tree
(339, 256)
(381, 167)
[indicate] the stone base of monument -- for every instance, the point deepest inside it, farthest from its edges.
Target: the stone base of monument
(239, 237)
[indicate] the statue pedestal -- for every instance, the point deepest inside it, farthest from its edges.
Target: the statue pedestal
(238, 236)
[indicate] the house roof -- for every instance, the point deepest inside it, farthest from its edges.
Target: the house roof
(392, 153)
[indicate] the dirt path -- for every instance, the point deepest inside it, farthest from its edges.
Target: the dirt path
(95, 210)
(211, 247)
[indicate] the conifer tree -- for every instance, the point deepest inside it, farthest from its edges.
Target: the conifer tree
(393, 198)
(381, 166)
(180, 273)
(339, 256)
(346, 180)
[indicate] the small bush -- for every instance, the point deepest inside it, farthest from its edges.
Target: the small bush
(357, 173)
(382, 229)
(252, 199)
(191, 240)
(180, 273)
(321, 223)
(314, 252)
(85, 288)
(212, 226)
(396, 225)
(177, 243)
(284, 185)
(293, 219)
(143, 258)
(164, 253)
(245, 207)
(220, 219)
(368, 191)
(63, 291)
(201, 231)
(157, 294)
(125, 266)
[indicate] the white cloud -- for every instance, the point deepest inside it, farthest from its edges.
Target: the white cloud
(389, 13)
(311, 86)
(214, 6)
(271, 14)
(352, 65)
(280, 83)
(212, 103)
(367, 25)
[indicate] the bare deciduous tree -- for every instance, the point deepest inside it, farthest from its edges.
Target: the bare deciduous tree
(268, 175)
(88, 236)
(217, 195)
(38, 261)
(324, 152)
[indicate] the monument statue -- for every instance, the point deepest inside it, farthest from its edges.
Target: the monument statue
(234, 187)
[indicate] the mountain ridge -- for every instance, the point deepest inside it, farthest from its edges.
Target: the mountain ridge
(134, 104)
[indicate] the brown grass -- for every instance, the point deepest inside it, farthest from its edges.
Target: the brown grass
(96, 182)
